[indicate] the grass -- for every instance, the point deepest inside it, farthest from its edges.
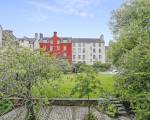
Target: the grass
(5, 106)
(62, 88)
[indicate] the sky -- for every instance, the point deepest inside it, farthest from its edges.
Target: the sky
(70, 18)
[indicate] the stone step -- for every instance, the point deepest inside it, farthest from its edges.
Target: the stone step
(122, 113)
(113, 99)
(121, 108)
(119, 105)
(115, 102)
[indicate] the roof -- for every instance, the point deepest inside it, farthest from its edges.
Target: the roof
(89, 40)
(31, 40)
(74, 40)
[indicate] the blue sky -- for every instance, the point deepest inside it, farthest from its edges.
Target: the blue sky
(70, 18)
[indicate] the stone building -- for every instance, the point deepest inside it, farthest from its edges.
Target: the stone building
(5, 36)
(88, 50)
(32, 43)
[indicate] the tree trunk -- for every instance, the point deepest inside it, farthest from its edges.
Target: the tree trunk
(88, 107)
(30, 110)
(29, 104)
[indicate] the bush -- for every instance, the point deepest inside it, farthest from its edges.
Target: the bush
(5, 106)
(109, 109)
(90, 116)
(101, 67)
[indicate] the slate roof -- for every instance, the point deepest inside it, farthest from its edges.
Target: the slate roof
(74, 40)
(31, 40)
(86, 40)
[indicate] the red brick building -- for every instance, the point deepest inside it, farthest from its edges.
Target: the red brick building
(56, 46)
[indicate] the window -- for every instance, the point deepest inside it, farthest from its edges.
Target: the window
(74, 56)
(58, 42)
(65, 48)
(51, 48)
(79, 50)
(51, 41)
(94, 50)
(83, 44)
(99, 56)
(99, 44)
(99, 50)
(83, 50)
(68, 41)
(94, 56)
(58, 47)
(65, 54)
(94, 44)
(79, 56)
(22, 41)
(79, 44)
(74, 44)
(83, 56)
(65, 41)
(90, 48)
(74, 50)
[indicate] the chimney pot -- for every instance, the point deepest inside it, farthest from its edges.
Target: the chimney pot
(55, 33)
(41, 35)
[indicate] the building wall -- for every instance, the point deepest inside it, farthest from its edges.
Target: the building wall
(88, 52)
(24, 43)
(56, 47)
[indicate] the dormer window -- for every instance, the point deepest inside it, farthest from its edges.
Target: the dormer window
(51, 41)
(58, 42)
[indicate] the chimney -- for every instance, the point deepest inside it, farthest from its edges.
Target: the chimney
(36, 36)
(55, 33)
(102, 38)
(41, 36)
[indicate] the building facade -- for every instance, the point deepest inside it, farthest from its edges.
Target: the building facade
(32, 43)
(56, 46)
(86, 50)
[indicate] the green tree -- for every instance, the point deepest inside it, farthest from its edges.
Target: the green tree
(78, 67)
(21, 69)
(64, 65)
(98, 66)
(86, 84)
(130, 53)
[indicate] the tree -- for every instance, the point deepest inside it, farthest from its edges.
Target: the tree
(86, 84)
(77, 66)
(64, 65)
(98, 66)
(21, 69)
(130, 25)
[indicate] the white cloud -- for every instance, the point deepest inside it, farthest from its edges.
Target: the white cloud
(68, 7)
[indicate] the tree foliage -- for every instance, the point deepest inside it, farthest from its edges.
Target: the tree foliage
(101, 67)
(21, 69)
(130, 52)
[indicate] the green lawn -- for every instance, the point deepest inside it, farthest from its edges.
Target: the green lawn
(63, 87)
(5, 106)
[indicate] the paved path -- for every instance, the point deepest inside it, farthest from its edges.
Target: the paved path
(58, 113)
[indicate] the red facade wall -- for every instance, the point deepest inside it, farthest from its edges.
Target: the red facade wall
(55, 47)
